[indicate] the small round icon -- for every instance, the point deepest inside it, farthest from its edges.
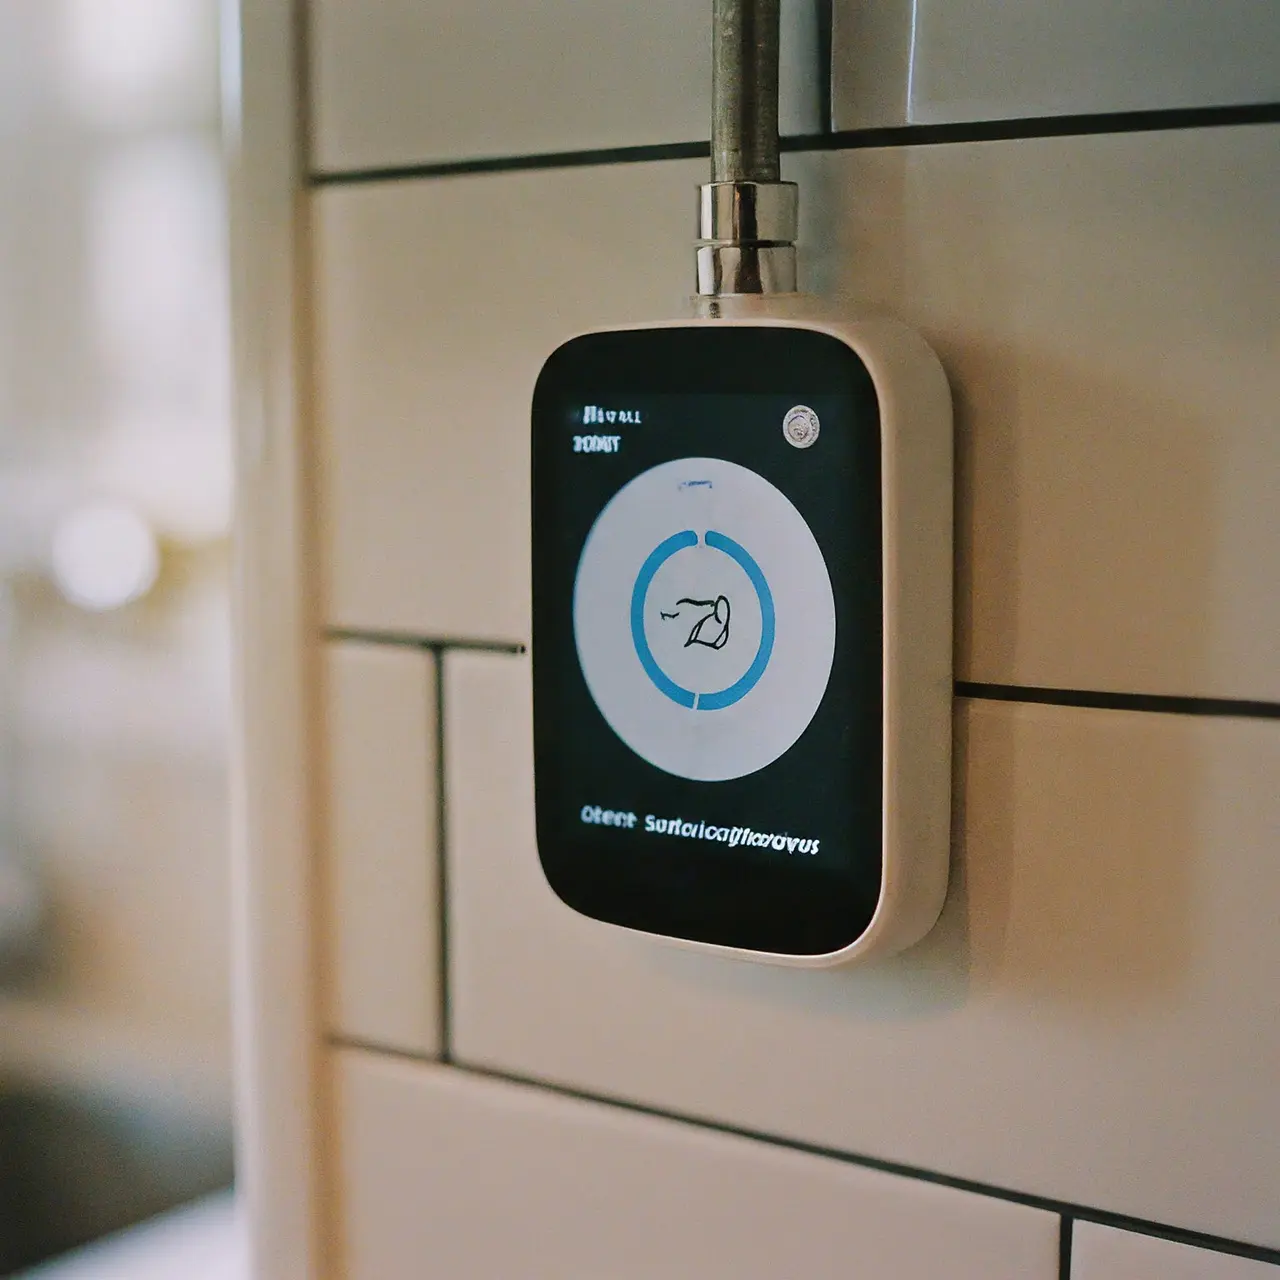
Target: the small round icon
(801, 426)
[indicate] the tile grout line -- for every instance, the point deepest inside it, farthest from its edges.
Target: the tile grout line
(444, 1005)
(1070, 1213)
(1007, 130)
(507, 164)
(1065, 1231)
(1031, 128)
(1099, 700)
(411, 640)
(826, 19)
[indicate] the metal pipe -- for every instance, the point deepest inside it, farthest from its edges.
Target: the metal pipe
(744, 91)
(746, 215)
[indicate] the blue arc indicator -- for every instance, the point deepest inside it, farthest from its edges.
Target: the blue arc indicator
(653, 562)
(764, 651)
(639, 593)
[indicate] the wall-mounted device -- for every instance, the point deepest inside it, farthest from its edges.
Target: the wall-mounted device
(742, 530)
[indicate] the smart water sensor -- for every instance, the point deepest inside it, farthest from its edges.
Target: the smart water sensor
(742, 614)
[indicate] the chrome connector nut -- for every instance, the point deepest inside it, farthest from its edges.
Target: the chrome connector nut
(746, 238)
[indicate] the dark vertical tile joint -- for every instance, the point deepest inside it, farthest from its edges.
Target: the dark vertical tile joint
(825, 18)
(301, 22)
(1064, 1247)
(442, 862)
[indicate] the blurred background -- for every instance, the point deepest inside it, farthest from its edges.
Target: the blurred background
(115, 495)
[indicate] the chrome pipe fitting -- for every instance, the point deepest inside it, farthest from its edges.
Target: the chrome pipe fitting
(746, 238)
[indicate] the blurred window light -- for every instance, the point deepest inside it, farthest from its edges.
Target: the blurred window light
(128, 61)
(115, 470)
(155, 247)
(104, 556)
(175, 471)
(156, 254)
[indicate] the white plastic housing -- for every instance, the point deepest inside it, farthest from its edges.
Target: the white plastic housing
(917, 506)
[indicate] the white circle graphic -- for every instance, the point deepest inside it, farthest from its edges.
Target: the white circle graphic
(704, 619)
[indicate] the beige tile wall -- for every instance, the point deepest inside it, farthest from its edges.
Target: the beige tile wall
(382, 874)
(497, 78)
(1091, 1029)
(437, 303)
(1106, 312)
(487, 1178)
(1105, 307)
(1089, 1022)
(1103, 1253)
(988, 60)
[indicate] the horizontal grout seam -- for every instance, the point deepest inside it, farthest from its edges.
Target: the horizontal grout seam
(1085, 124)
(1161, 703)
(512, 164)
(1165, 704)
(1103, 1217)
(918, 135)
(410, 640)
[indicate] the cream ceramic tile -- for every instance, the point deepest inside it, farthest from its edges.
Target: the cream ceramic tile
(987, 59)
(1107, 311)
(1092, 1020)
(871, 52)
(1103, 1253)
(382, 869)
(399, 82)
(486, 1179)
(438, 302)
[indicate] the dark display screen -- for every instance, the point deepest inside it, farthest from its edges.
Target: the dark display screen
(707, 634)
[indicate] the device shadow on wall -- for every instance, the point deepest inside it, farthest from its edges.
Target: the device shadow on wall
(1081, 830)
(1085, 532)
(1078, 852)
